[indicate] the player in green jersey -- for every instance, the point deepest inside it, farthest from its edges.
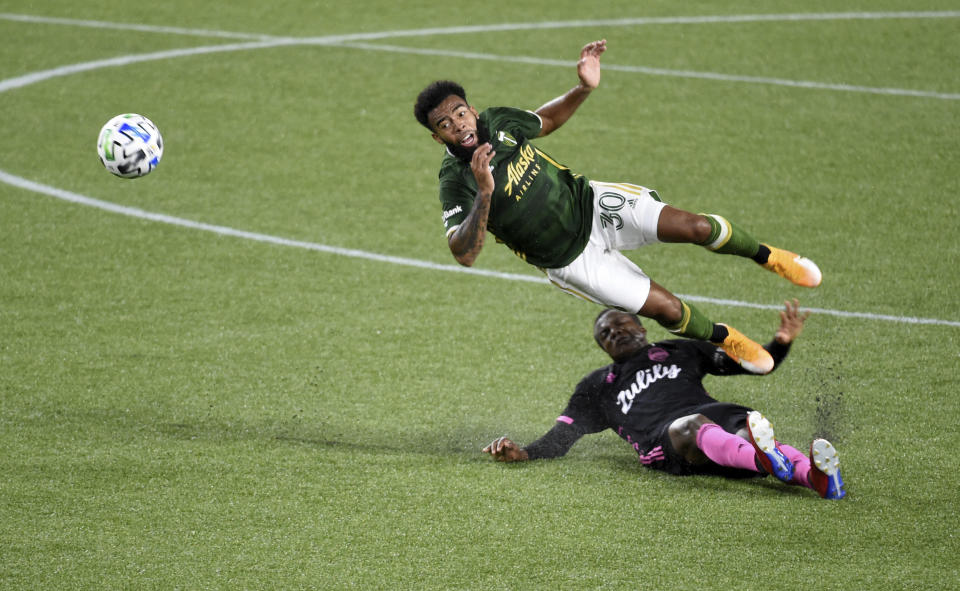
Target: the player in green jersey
(572, 228)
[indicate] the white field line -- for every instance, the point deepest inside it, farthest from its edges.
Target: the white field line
(126, 60)
(502, 27)
(355, 40)
(264, 41)
(49, 20)
(134, 212)
(656, 71)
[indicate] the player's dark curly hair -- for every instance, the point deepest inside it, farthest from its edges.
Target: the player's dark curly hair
(431, 97)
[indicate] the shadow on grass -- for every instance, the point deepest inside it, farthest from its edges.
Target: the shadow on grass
(759, 485)
(463, 445)
(325, 436)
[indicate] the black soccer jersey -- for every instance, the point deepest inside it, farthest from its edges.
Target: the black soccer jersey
(637, 397)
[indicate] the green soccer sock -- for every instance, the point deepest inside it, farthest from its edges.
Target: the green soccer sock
(725, 238)
(693, 324)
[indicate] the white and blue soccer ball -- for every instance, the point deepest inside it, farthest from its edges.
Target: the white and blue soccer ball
(130, 145)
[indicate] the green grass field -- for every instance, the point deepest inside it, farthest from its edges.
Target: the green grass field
(182, 408)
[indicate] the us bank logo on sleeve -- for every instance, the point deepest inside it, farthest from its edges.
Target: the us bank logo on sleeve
(451, 212)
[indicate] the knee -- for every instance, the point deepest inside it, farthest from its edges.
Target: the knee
(700, 230)
(683, 437)
(685, 429)
(677, 225)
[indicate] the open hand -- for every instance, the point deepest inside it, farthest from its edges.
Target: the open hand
(505, 450)
(588, 68)
(791, 322)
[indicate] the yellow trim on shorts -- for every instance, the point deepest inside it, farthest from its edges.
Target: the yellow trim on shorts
(628, 188)
(572, 292)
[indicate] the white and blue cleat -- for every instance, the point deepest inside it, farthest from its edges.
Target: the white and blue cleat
(825, 470)
(769, 453)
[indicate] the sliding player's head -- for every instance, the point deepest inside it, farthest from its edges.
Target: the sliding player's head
(620, 334)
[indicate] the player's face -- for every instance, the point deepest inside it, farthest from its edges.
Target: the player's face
(620, 335)
(454, 123)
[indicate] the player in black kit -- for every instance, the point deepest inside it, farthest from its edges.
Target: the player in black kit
(652, 396)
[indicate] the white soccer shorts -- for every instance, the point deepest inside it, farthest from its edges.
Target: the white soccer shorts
(624, 218)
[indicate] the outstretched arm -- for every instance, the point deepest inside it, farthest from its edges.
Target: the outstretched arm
(556, 112)
(466, 241)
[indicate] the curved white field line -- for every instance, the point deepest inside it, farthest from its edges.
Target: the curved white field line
(135, 212)
(355, 41)
(126, 60)
(265, 41)
(657, 71)
(492, 28)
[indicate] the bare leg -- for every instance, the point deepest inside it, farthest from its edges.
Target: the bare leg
(662, 306)
(677, 225)
(719, 235)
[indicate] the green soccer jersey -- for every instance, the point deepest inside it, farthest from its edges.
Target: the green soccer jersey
(539, 208)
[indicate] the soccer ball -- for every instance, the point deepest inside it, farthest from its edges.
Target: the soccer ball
(130, 145)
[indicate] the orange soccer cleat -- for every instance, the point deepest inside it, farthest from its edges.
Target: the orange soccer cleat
(750, 355)
(799, 270)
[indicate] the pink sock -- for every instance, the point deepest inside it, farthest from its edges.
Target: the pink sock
(801, 465)
(725, 448)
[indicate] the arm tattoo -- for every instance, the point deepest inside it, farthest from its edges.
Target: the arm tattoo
(468, 238)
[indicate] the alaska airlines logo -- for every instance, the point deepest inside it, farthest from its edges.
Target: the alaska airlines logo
(521, 172)
(644, 378)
